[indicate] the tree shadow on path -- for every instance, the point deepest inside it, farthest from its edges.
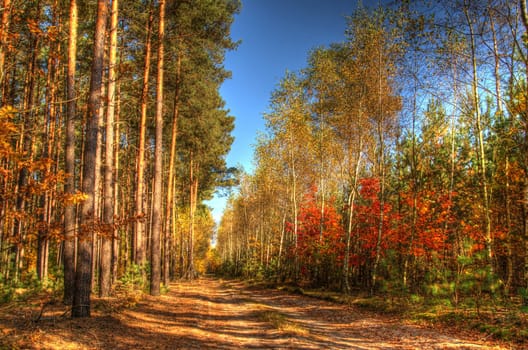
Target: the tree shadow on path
(214, 314)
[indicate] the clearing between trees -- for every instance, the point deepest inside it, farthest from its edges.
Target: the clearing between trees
(216, 314)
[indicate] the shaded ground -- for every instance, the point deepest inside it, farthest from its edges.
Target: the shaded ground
(215, 314)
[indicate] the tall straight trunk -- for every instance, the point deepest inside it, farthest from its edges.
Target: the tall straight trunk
(348, 239)
(322, 177)
(98, 205)
(295, 209)
(139, 238)
(116, 239)
(69, 160)
(281, 241)
(83, 273)
(480, 148)
(25, 145)
(500, 113)
(181, 257)
(381, 173)
(4, 35)
(190, 273)
(414, 188)
(105, 275)
(170, 180)
(50, 126)
(381, 217)
(157, 223)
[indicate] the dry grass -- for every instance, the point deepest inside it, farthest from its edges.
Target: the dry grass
(281, 322)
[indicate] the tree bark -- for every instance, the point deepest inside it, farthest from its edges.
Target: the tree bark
(170, 180)
(190, 273)
(117, 239)
(25, 145)
(83, 273)
(157, 223)
(69, 187)
(48, 152)
(351, 204)
(4, 35)
(105, 276)
(480, 150)
(139, 239)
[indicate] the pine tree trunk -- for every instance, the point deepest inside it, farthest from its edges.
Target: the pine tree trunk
(190, 273)
(116, 239)
(170, 180)
(105, 275)
(50, 121)
(25, 142)
(4, 31)
(69, 187)
(157, 223)
(139, 239)
(83, 273)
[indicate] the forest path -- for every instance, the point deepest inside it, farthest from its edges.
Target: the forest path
(214, 314)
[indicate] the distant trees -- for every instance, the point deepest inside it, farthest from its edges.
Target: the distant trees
(74, 139)
(408, 131)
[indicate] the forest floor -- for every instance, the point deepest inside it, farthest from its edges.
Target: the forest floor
(221, 314)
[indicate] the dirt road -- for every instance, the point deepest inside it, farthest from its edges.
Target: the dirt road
(215, 314)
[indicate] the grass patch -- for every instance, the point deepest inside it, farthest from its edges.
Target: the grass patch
(281, 322)
(502, 320)
(499, 318)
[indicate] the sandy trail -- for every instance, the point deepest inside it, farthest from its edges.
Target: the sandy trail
(215, 314)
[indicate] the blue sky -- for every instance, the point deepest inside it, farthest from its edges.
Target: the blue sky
(276, 36)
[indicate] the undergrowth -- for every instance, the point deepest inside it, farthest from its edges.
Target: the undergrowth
(281, 322)
(29, 286)
(500, 318)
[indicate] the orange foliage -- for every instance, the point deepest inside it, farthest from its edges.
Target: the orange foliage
(319, 237)
(368, 219)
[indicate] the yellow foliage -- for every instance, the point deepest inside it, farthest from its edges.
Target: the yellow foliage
(74, 198)
(7, 129)
(34, 27)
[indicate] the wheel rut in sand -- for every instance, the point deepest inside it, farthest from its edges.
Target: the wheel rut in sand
(213, 314)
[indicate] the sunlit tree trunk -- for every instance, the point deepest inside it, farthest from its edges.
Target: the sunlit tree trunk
(295, 210)
(157, 223)
(452, 159)
(414, 188)
(69, 159)
(4, 35)
(193, 197)
(480, 139)
(105, 275)
(170, 181)
(500, 115)
(25, 145)
(381, 218)
(350, 224)
(117, 207)
(281, 241)
(380, 160)
(83, 273)
(139, 238)
(99, 187)
(49, 148)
